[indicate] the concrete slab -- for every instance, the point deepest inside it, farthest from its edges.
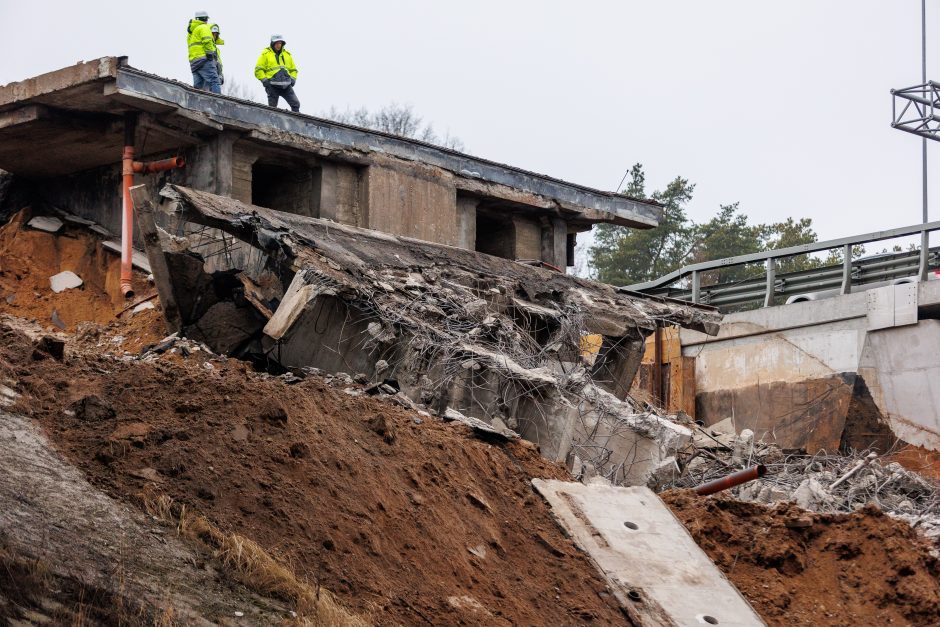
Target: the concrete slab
(45, 223)
(657, 572)
(64, 281)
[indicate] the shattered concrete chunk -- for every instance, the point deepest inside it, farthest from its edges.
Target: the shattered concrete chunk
(65, 280)
(45, 223)
(478, 425)
(812, 495)
(143, 307)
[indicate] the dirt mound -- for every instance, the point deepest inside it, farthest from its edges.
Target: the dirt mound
(404, 517)
(918, 459)
(28, 257)
(800, 568)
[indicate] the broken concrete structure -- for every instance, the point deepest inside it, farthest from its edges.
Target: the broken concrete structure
(850, 372)
(457, 330)
(68, 126)
(387, 257)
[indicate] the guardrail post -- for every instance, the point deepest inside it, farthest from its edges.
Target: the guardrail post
(847, 269)
(696, 286)
(924, 254)
(771, 279)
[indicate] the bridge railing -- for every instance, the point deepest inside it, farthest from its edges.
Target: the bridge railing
(851, 272)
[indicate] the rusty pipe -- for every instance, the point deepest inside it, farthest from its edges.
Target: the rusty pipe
(149, 167)
(729, 481)
(127, 212)
(128, 168)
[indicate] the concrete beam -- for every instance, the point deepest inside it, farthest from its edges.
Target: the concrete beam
(72, 76)
(467, 222)
(143, 207)
(22, 115)
(657, 572)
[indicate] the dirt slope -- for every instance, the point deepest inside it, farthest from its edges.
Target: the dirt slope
(409, 519)
(798, 568)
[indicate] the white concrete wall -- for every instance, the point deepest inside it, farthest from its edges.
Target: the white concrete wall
(902, 369)
(799, 343)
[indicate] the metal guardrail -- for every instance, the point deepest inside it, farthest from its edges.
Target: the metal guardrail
(850, 272)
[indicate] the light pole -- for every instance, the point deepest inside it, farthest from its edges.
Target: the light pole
(924, 236)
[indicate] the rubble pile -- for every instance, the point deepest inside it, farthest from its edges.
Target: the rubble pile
(460, 333)
(822, 482)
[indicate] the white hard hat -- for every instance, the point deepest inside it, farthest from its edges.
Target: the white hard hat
(202, 15)
(277, 38)
(214, 28)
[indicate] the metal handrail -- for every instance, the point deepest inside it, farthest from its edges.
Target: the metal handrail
(770, 258)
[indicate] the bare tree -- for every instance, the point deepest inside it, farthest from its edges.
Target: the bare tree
(395, 119)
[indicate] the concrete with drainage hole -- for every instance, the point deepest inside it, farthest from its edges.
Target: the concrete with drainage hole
(652, 564)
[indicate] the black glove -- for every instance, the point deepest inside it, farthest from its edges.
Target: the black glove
(293, 82)
(221, 80)
(210, 56)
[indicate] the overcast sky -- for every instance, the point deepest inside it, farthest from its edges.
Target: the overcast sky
(783, 106)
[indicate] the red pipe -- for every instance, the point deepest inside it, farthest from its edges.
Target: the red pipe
(150, 167)
(127, 213)
(128, 168)
(736, 478)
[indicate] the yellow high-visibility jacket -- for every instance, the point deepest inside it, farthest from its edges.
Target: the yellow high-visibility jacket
(199, 40)
(275, 65)
(218, 51)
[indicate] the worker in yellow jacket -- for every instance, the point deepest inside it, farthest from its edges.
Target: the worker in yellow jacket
(203, 54)
(218, 41)
(276, 71)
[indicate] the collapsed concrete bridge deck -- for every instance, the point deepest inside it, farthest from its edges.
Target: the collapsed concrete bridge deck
(457, 330)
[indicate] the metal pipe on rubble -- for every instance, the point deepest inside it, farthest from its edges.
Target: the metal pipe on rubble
(128, 168)
(736, 478)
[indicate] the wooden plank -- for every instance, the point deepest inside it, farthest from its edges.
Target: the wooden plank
(254, 296)
(143, 208)
(671, 346)
(682, 385)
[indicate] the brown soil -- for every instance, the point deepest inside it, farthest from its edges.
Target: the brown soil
(853, 569)
(918, 459)
(28, 258)
(411, 522)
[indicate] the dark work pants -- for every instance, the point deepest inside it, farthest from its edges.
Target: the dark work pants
(206, 77)
(287, 93)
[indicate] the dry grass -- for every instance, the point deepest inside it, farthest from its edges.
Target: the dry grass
(247, 562)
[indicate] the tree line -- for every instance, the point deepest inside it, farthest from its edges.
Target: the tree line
(624, 256)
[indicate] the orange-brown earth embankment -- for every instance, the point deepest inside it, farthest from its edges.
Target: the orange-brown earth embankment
(405, 518)
(28, 257)
(800, 568)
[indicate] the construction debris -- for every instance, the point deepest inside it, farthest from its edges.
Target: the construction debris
(45, 223)
(820, 483)
(486, 337)
(654, 568)
(64, 281)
